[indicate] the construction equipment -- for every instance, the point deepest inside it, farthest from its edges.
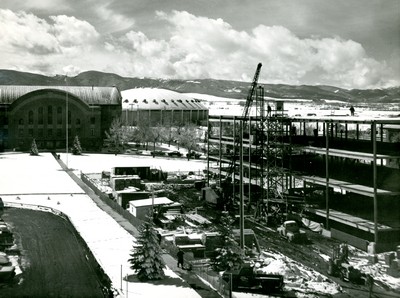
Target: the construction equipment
(228, 196)
(340, 267)
(245, 115)
(291, 231)
(246, 278)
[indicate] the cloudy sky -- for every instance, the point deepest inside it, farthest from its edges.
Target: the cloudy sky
(345, 43)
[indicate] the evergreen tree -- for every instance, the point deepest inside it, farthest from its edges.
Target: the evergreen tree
(76, 149)
(230, 255)
(146, 259)
(34, 149)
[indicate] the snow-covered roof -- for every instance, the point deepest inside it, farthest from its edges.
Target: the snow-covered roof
(158, 99)
(91, 95)
(151, 201)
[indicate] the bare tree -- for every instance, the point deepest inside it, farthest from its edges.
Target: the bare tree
(187, 136)
(156, 134)
(144, 133)
(118, 135)
(167, 130)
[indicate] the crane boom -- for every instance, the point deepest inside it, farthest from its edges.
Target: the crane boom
(245, 114)
(252, 89)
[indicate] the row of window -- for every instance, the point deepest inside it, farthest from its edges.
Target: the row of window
(49, 132)
(50, 121)
(162, 100)
(40, 116)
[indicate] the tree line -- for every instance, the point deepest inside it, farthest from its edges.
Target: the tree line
(147, 134)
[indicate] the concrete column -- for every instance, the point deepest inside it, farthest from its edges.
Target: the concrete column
(220, 149)
(375, 174)
(327, 174)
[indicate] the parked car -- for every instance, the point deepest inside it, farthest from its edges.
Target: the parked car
(175, 153)
(157, 153)
(113, 150)
(193, 154)
(131, 151)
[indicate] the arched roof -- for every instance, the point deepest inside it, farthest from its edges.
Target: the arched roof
(90, 95)
(158, 99)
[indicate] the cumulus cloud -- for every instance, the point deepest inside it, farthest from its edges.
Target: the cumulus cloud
(113, 21)
(71, 32)
(26, 32)
(200, 47)
(30, 43)
(193, 47)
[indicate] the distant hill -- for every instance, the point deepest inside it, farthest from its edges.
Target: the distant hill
(221, 88)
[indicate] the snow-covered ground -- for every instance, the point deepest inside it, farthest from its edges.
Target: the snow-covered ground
(298, 107)
(96, 163)
(33, 179)
(38, 181)
(298, 277)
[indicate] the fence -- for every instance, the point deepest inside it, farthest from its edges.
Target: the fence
(202, 268)
(112, 204)
(206, 273)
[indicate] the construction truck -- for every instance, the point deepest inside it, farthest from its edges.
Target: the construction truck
(340, 267)
(246, 278)
(291, 231)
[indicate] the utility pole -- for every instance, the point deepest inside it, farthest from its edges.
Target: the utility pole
(242, 244)
(66, 123)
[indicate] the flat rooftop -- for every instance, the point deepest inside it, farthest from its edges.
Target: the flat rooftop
(150, 202)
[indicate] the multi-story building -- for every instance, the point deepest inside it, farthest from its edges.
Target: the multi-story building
(341, 172)
(49, 114)
(161, 106)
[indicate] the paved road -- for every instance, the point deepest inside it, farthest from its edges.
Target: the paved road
(54, 259)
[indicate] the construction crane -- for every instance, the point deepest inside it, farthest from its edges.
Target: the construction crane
(252, 90)
(245, 115)
(237, 134)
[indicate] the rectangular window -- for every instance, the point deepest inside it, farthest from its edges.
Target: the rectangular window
(92, 120)
(50, 132)
(21, 132)
(92, 132)
(59, 132)
(40, 133)
(50, 115)
(30, 117)
(30, 132)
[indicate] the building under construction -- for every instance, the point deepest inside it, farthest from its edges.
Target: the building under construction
(342, 172)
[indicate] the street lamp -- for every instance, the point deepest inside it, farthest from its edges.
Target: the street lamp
(131, 105)
(66, 121)
(137, 114)
(126, 112)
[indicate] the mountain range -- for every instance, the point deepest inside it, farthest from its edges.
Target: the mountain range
(220, 88)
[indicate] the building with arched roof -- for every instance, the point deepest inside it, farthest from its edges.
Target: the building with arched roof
(49, 113)
(161, 106)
